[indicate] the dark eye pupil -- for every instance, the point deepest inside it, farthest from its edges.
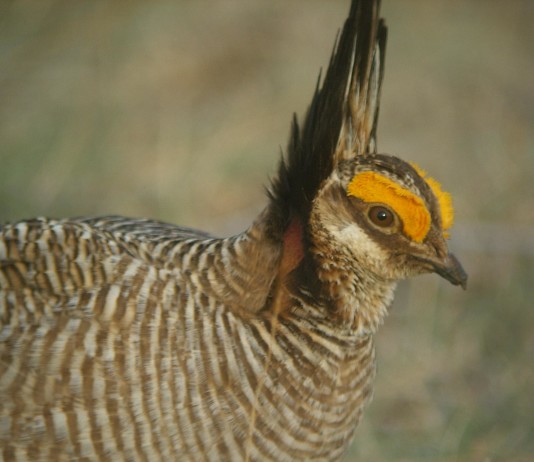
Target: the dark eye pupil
(381, 216)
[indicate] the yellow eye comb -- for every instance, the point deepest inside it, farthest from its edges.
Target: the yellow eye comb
(416, 219)
(374, 187)
(444, 199)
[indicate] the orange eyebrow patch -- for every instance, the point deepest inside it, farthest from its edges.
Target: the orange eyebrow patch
(444, 199)
(374, 187)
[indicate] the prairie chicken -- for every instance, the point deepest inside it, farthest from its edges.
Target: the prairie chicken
(132, 339)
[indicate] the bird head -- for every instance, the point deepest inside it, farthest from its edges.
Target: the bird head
(367, 211)
(387, 217)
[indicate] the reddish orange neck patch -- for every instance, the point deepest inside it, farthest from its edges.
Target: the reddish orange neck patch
(293, 251)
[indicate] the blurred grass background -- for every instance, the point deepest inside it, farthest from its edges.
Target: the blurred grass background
(177, 110)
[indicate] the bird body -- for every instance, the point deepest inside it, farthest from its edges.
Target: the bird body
(131, 339)
(124, 345)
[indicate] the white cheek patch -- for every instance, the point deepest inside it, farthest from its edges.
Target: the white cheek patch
(357, 241)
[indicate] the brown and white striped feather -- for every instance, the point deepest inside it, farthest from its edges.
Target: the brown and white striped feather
(136, 340)
(119, 345)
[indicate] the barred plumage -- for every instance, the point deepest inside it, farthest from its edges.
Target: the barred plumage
(106, 336)
(136, 340)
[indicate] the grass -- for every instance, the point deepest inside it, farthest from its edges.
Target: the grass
(177, 111)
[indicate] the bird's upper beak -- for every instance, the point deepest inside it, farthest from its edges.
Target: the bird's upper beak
(439, 260)
(451, 269)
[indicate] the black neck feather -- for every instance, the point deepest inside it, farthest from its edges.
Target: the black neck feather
(310, 156)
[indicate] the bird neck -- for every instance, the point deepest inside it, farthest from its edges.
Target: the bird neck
(335, 287)
(313, 280)
(351, 303)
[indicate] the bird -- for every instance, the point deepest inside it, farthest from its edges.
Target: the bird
(138, 340)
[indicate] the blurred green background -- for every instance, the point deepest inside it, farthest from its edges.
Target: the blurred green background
(177, 110)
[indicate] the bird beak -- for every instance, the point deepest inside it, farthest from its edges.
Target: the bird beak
(450, 269)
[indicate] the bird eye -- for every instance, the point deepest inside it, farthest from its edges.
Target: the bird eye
(381, 216)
